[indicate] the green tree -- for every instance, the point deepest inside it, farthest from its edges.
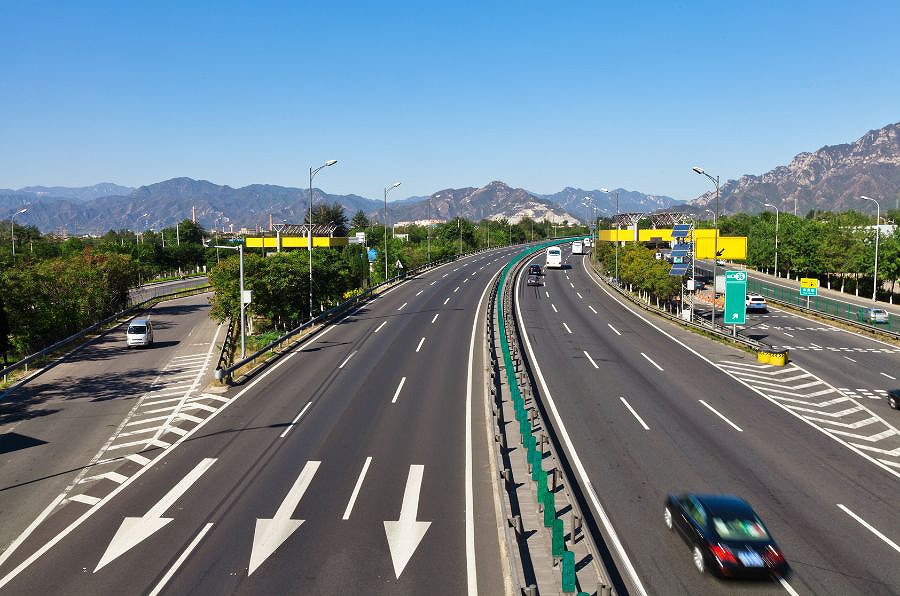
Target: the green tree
(359, 222)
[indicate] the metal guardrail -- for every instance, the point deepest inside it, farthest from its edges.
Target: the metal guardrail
(24, 362)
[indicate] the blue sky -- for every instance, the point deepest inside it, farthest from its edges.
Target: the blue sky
(538, 94)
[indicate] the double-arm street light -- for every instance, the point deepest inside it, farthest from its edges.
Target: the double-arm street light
(309, 241)
(386, 190)
(606, 190)
(877, 221)
(12, 231)
(715, 181)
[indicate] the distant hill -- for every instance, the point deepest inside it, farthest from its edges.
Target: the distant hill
(80, 193)
(830, 179)
(573, 199)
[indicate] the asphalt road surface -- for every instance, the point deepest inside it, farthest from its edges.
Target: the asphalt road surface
(356, 463)
(648, 416)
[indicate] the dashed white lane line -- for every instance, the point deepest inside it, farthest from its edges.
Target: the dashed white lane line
(613, 328)
(870, 528)
(650, 360)
(432, 283)
(446, 301)
(888, 376)
(347, 359)
(719, 414)
(359, 481)
(635, 414)
(399, 388)
(433, 319)
(465, 280)
(787, 587)
(444, 275)
(419, 292)
(588, 356)
(788, 334)
(579, 295)
(849, 358)
(553, 306)
(567, 328)
(592, 309)
(295, 420)
(456, 290)
(181, 559)
(402, 305)
(573, 285)
(419, 347)
(383, 323)
(547, 293)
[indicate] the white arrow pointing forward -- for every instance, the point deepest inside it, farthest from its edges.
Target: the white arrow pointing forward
(271, 533)
(405, 534)
(135, 530)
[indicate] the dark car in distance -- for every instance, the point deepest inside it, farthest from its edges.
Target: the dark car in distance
(893, 398)
(725, 536)
(535, 270)
(534, 280)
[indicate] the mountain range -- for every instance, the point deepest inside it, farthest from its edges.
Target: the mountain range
(830, 179)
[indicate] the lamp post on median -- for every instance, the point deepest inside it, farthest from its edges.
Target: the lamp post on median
(240, 249)
(12, 231)
(776, 235)
(386, 190)
(617, 230)
(715, 181)
(309, 241)
(428, 231)
(877, 220)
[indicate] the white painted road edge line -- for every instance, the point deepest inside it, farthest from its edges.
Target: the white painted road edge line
(717, 413)
(579, 467)
(419, 347)
(377, 329)
(358, 486)
(399, 388)
(295, 421)
(181, 559)
(613, 328)
(650, 360)
(870, 528)
(591, 359)
(633, 413)
(347, 359)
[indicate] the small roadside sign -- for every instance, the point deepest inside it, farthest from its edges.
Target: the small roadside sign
(372, 254)
(247, 298)
(399, 265)
(809, 286)
(735, 298)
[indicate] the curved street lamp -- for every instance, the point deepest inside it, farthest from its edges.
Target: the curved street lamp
(386, 190)
(309, 243)
(12, 232)
(877, 221)
(715, 181)
(606, 190)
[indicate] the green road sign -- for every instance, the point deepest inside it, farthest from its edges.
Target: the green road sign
(809, 291)
(735, 298)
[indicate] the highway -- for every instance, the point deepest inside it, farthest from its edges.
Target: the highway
(652, 409)
(149, 290)
(357, 462)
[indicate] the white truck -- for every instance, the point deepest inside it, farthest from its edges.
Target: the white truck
(554, 258)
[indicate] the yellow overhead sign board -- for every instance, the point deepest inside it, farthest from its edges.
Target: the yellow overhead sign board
(295, 242)
(809, 282)
(731, 248)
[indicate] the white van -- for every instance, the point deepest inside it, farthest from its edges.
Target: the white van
(554, 258)
(578, 247)
(139, 333)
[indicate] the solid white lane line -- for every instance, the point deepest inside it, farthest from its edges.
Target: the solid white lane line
(787, 587)
(613, 328)
(650, 360)
(591, 359)
(419, 347)
(592, 309)
(181, 559)
(553, 306)
(402, 305)
(434, 318)
(579, 467)
(456, 290)
(399, 388)
(295, 420)
(717, 413)
(419, 292)
(849, 358)
(888, 376)
(383, 323)
(635, 414)
(347, 359)
(870, 528)
(567, 328)
(356, 488)
(446, 301)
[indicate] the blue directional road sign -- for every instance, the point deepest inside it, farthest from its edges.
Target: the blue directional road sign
(373, 254)
(735, 298)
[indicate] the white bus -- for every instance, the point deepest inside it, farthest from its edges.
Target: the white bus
(554, 258)
(578, 247)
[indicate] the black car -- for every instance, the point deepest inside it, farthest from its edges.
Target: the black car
(893, 398)
(535, 270)
(534, 280)
(725, 536)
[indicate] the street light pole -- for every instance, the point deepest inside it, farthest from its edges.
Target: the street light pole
(240, 249)
(606, 190)
(715, 181)
(877, 221)
(389, 188)
(428, 231)
(12, 232)
(776, 235)
(309, 242)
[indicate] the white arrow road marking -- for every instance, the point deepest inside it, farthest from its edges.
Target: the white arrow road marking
(135, 530)
(405, 534)
(271, 533)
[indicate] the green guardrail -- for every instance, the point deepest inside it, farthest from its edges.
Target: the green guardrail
(546, 499)
(822, 304)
